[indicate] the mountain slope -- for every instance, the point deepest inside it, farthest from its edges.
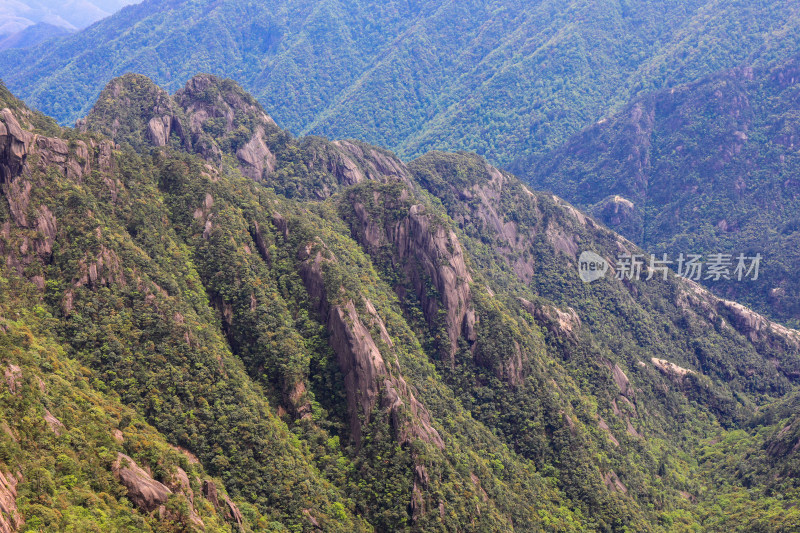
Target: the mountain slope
(505, 79)
(352, 343)
(704, 168)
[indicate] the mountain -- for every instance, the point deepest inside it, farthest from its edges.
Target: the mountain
(33, 35)
(208, 323)
(504, 78)
(707, 167)
(16, 15)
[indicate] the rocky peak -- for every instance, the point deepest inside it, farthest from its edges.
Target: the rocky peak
(209, 116)
(134, 110)
(216, 108)
(224, 96)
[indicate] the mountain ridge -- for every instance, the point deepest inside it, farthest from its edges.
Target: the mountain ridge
(704, 167)
(405, 76)
(350, 342)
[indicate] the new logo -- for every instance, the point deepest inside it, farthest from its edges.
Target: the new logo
(591, 267)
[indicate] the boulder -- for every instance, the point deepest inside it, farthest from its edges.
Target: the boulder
(143, 491)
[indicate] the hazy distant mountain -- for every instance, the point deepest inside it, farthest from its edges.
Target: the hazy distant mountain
(33, 35)
(16, 15)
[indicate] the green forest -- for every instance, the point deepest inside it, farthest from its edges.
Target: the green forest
(503, 78)
(707, 167)
(209, 324)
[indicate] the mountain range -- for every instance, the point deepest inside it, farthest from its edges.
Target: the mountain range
(505, 79)
(210, 324)
(306, 290)
(16, 15)
(26, 23)
(703, 168)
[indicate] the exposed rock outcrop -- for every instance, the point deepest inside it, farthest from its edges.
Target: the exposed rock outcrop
(179, 483)
(670, 369)
(426, 251)
(13, 378)
(232, 513)
(160, 128)
(437, 250)
(10, 518)
(620, 378)
(25, 158)
(15, 144)
(55, 425)
(563, 323)
(143, 491)
(613, 482)
(223, 504)
(104, 270)
(366, 372)
(603, 425)
(210, 492)
(356, 162)
(485, 210)
(255, 157)
(749, 323)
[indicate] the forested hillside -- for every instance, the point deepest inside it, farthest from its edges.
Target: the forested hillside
(502, 78)
(703, 168)
(293, 334)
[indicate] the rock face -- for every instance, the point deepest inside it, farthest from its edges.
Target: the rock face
(749, 323)
(14, 146)
(143, 491)
(366, 373)
(13, 378)
(357, 162)
(10, 519)
(426, 251)
(484, 199)
(255, 158)
(563, 323)
(25, 157)
(160, 128)
(439, 252)
(226, 507)
(216, 108)
(671, 369)
(55, 425)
